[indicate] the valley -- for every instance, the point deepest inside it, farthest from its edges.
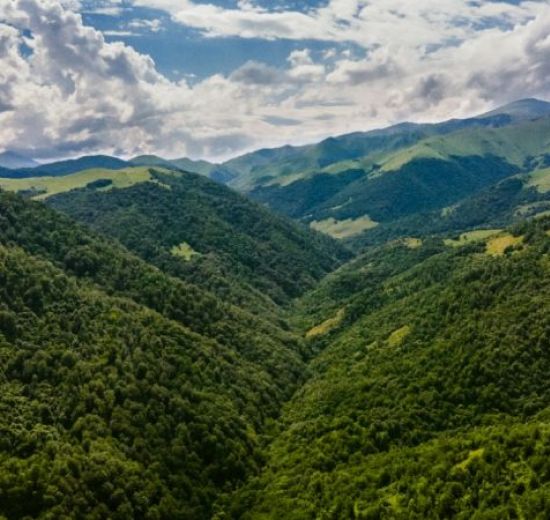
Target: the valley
(354, 329)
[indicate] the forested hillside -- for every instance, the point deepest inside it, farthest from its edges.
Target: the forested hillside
(171, 349)
(201, 231)
(509, 201)
(361, 187)
(125, 393)
(429, 398)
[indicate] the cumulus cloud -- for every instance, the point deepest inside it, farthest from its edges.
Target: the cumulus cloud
(64, 90)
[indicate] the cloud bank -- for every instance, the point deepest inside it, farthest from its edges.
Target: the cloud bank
(65, 90)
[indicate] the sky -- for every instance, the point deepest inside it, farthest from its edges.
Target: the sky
(217, 78)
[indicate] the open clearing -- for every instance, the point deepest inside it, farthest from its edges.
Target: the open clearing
(540, 180)
(473, 455)
(471, 236)
(185, 251)
(326, 326)
(497, 245)
(397, 337)
(343, 228)
(412, 243)
(47, 186)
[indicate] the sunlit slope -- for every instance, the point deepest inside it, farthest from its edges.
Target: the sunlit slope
(429, 397)
(103, 179)
(436, 173)
(525, 144)
(282, 166)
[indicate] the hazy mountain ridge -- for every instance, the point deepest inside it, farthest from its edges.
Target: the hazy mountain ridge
(12, 160)
(265, 166)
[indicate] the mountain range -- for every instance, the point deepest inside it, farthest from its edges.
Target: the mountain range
(368, 184)
(357, 328)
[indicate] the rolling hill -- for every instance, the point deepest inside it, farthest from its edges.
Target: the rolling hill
(70, 166)
(201, 231)
(216, 172)
(43, 187)
(12, 160)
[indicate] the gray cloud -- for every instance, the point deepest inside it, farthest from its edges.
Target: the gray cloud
(72, 92)
(255, 73)
(281, 121)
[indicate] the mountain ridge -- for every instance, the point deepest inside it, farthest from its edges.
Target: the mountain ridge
(521, 109)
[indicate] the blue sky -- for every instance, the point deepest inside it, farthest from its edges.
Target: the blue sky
(216, 78)
(181, 51)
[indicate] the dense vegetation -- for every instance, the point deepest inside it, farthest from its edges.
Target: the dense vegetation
(430, 396)
(507, 202)
(242, 252)
(398, 175)
(420, 185)
(125, 393)
(170, 349)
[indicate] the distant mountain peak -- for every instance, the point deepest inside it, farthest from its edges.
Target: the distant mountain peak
(527, 108)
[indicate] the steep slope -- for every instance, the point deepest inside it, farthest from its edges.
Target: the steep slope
(201, 231)
(429, 398)
(124, 392)
(282, 166)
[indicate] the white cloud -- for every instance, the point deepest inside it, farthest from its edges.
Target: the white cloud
(76, 93)
(119, 33)
(368, 23)
(106, 11)
(154, 25)
(247, 21)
